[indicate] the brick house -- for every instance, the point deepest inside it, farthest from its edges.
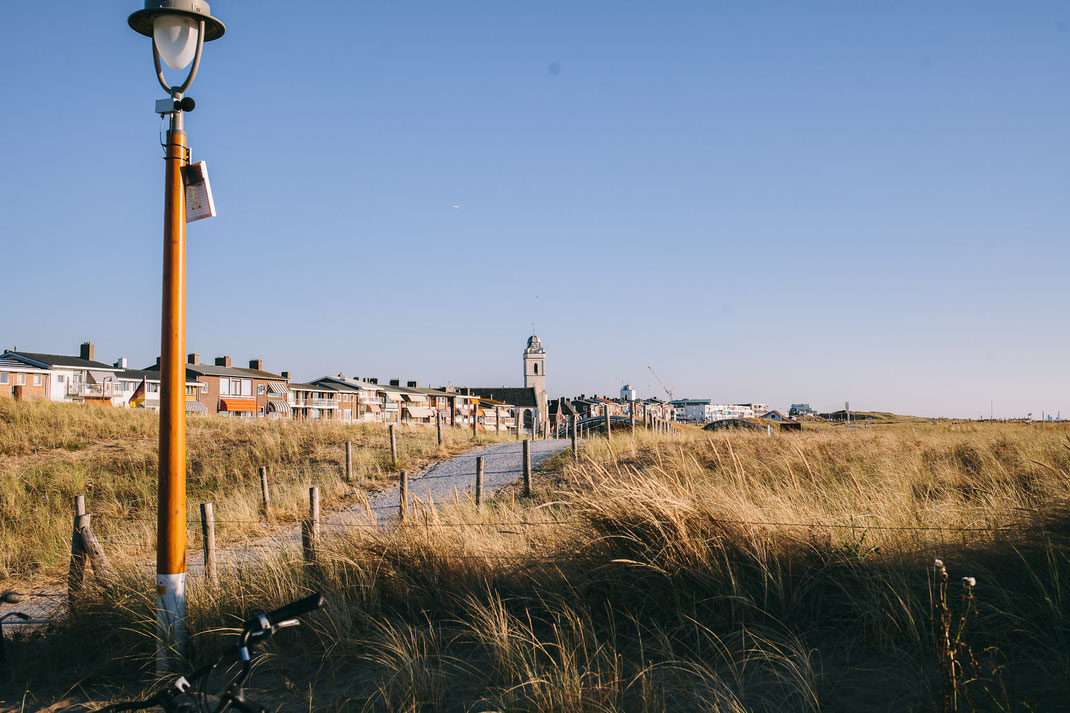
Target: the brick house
(23, 380)
(236, 391)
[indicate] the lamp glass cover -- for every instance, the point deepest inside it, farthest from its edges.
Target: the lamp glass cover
(176, 39)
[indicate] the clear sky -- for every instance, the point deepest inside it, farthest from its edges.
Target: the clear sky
(765, 201)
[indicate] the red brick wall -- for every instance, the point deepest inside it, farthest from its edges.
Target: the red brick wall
(29, 391)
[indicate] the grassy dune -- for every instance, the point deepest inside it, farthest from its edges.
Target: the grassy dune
(711, 572)
(50, 452)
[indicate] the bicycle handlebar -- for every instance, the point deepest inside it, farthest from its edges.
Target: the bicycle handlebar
(291, 610)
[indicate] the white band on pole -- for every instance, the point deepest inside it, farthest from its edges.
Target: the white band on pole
(170, 617)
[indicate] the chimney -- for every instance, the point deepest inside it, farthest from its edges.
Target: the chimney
(158, 367)
(193, 358)
(121, 364)
(341, 375)
(412, 385)
(222, 361)
(395, 382)
(257, 364)
(285, 375)
(86, 351)
(373, 379)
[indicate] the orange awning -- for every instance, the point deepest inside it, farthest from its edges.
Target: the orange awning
(371, 408)
(233, 404)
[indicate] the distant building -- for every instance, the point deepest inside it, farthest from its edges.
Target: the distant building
(23, 379)
(703, 411)
(628, 393)
(234, 391)
(692, 409)
(64, 378)
(797, 410)
(535, 375)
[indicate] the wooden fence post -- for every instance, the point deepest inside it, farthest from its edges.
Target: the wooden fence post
(404, 494)
(631, 412)
(609, 431)
(76, 572)
(475, 421)
(349, 461)
(519, 422)
(527, 468)
(310, 528)
(575, 420)
(479, 481)
(92, 546)
(438, 426)
(393, 445)
(265, 493)
(497, 420)
(208, 537)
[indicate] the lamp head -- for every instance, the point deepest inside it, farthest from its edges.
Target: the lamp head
(144, 21)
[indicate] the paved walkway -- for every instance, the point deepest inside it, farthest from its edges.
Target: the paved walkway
(502, 465)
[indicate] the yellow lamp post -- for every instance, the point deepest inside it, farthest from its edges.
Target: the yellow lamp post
(179, 29)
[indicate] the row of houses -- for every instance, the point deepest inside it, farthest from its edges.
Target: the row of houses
(224, 389)
(228, 390)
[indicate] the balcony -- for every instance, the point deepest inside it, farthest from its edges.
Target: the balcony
(93, 391)
(314, 403)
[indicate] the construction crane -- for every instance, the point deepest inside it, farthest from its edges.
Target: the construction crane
(671, 392)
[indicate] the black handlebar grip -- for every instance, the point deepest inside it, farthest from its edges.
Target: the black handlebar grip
(295, 609)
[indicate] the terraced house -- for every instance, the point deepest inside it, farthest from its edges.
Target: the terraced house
(236, 391)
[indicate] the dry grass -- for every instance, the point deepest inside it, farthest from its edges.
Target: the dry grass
(732, 572)
(50, 452)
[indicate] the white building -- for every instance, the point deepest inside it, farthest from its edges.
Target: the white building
(703, 411)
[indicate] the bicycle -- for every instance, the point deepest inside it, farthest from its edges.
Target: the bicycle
(182, 695)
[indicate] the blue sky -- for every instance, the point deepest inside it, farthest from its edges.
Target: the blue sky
(765, 201)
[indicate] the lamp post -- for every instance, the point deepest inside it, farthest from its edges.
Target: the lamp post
(179, 29)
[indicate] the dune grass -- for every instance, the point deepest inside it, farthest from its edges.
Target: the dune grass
(695, 571)
(51, 452)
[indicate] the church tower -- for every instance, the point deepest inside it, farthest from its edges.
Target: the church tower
(535, 373)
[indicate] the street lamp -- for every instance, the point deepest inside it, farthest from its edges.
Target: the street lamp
(179, 29)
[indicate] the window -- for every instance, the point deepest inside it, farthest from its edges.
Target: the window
(3, 377)
(36, 379)
(191, 390)
(246, 387)
(224, 387)
(260, 388)
(20, 379)
(59, 379)
(535, 367)
(152, 388)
